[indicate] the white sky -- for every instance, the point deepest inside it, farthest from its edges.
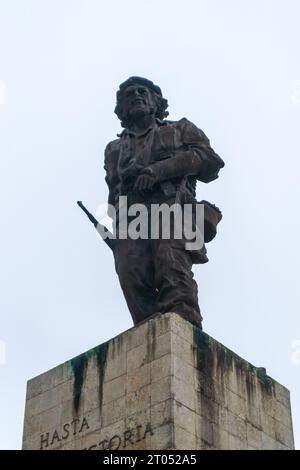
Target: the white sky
(231, 67)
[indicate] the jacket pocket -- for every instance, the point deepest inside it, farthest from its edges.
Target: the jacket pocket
(164, 143)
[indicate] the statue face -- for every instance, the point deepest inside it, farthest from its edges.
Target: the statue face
(137, 101)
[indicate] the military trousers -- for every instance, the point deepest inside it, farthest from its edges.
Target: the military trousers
(156, 277)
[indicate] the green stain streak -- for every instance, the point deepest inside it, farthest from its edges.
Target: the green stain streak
(101, 355)
(266, 382)
(79, 366)
(151, 341)
(204, 351)
(209, 353)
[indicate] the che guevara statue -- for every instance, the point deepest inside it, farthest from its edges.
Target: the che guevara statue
(157, 161)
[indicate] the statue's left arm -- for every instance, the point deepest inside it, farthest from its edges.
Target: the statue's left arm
(195, 158)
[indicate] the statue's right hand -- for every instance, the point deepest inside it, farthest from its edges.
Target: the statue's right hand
(144, 182)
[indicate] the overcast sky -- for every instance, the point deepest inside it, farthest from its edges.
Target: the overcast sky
(233, 69)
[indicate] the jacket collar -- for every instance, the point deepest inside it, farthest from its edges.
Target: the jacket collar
(126, 131)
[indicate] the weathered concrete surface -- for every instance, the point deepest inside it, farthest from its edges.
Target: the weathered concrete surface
(161, 385)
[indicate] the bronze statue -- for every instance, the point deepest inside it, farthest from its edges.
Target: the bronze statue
(156, 161)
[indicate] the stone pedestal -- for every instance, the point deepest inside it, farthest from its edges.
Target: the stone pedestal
(161, 385)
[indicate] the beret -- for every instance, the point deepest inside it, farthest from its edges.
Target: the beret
(140, 81)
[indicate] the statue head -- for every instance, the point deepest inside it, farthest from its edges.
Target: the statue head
(138, 97)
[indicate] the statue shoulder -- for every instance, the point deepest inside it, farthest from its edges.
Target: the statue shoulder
(111, 157)
(194, 132)
(189, 131)
(113, 146)
(182, 124)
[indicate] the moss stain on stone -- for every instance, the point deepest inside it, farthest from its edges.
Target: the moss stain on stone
(79, 366)
(207, 396)
(204, 357)
(212, 358)
(151, 341)
(250, 387)
(267, 384)
(101, 356)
